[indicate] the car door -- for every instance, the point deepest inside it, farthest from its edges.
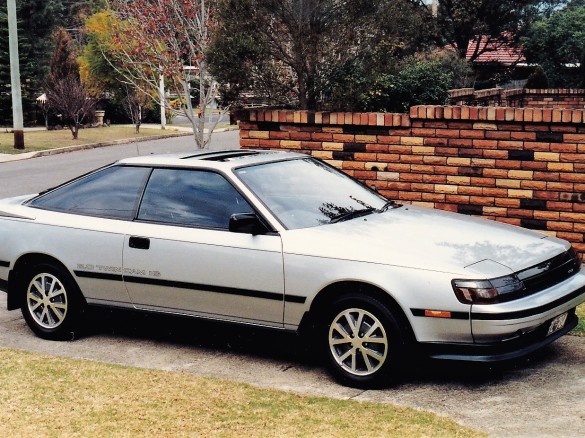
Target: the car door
(181, 257)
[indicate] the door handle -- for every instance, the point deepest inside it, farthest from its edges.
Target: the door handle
(139, 242)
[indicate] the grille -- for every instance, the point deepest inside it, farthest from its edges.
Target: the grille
(550, 272)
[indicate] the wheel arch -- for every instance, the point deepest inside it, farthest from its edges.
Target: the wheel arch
(334, 290)
(15, 278)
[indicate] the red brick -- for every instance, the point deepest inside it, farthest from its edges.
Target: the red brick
(473, 133)
(435, 179)
(389, 139)
(433, 197)
(559, 226)
(482, 200)
(572, 177)
(322, 136)
(564, 147)
(471, 191)
(436, 142)
(411, 159)
(399, 186)
(423, 132)
(495, 192)
(412, 177)
(498, 135)
(507, 202)
(245, 142)
(461, 142)
(495, 154)
(559, 206)
(375, 147)
(410, 196)
(546, 195)
(344, 138)
(485, 144)
(447, 152)
(448, 133)
(390, 158)
(525, 136)
(365, 156)
(521, 213)
(547, 176)
(571, 237)
(496, 173)
(508, 164)
(301, 136)
(505, 144)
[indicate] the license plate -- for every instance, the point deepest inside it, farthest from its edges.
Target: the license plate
(557, 323)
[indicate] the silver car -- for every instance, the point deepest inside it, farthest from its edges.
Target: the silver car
(282, 240)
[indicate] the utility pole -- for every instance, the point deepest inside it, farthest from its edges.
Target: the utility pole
(18, 120)
(161, 95)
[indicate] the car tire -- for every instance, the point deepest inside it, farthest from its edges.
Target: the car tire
(363, 343)
(52, 302)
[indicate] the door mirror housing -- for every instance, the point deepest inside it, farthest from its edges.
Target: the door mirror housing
(246, 223)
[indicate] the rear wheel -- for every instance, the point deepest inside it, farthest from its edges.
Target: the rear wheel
(52, 302)
(363, 342)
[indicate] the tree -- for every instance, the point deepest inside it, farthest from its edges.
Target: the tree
(168, 38)
(463, 23)
(296, 52)
(66, 94)
(100, 75)
(423, 79)
(537, 79)
(557, 44)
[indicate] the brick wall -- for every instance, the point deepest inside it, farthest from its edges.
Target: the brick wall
(523, 166)
(520, 98)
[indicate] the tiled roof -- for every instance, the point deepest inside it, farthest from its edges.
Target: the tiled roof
(497, 51)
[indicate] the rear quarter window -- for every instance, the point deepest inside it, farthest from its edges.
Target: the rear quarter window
(113, 192)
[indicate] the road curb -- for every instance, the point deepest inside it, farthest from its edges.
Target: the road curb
(5, 158)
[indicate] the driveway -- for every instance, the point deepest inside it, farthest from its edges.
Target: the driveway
(543, 396)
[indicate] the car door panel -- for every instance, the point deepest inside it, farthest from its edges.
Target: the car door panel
(205, 272)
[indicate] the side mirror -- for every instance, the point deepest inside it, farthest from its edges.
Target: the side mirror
(246, 223)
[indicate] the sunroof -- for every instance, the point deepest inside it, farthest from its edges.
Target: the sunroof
(221, 156)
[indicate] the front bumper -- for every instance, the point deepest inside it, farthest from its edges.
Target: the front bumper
(500, 351)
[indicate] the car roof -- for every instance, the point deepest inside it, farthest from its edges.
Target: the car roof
(227, 159)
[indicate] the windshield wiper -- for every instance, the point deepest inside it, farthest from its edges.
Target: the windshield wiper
(389, 204)
(352, 215)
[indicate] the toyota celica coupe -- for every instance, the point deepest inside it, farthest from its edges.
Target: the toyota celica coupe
(285, 241)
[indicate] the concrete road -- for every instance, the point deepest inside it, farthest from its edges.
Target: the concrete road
(543, 396)
(30, 176)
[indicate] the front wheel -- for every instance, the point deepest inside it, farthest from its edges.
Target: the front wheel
(52, 302)
(364, 344)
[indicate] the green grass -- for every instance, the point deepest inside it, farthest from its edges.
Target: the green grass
(43, 140)
(48, 396)
(580, 329)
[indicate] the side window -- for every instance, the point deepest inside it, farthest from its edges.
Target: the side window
(113, 192)
(190, 198)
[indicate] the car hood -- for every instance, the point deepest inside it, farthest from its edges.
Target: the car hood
(430, 239)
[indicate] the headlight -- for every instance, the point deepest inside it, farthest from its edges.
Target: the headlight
(495, 290)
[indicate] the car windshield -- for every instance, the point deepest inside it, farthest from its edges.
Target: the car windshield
(306, 193)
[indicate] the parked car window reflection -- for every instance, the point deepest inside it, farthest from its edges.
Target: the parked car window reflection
(307, 193)
(191, 198)
(112, 192)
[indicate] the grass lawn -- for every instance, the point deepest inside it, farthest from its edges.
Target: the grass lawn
(580, 329)
(42, 140)
(47, 396)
